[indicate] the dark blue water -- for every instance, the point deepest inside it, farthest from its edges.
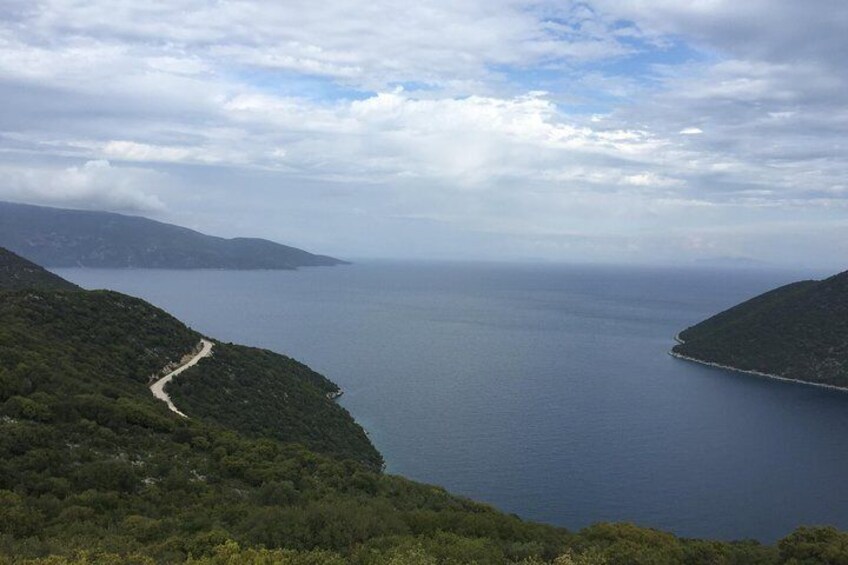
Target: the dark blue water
(546, 391)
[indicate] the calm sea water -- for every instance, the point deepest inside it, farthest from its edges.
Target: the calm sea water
(546, 391)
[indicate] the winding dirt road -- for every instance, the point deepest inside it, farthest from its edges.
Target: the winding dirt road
(158, 388)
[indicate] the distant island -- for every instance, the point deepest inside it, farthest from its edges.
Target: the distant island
(797, 332)
(56, 237)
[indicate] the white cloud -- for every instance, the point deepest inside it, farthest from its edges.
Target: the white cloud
(299, 102)
(474, 140)
(94, 184)
(372, 46)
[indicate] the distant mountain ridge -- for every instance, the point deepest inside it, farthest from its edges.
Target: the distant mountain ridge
(56, 237)
(798, 331)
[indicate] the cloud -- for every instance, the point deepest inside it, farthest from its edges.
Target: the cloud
(475, 141)
(549, 124)
(775, 31)
(373, 46)
(95, 184)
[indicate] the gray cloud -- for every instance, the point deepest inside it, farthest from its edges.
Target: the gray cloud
(282, 119)
(94, 184)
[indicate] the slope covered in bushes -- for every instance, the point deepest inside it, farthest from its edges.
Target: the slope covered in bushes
(798, 331)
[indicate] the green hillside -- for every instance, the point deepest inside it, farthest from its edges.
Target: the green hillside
(17, 273)
(262, 394)
(94, 469)
(798, 331)
(55, 237)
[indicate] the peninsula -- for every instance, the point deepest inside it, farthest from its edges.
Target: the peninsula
(56, 237)
(797, 332)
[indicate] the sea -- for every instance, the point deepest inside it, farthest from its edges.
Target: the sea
(544, 390)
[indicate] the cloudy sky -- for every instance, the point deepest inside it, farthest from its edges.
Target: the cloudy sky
(612, 130)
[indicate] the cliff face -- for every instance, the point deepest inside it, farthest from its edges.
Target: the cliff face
(798, 331)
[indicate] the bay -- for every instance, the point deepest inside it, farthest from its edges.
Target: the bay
(544, 390)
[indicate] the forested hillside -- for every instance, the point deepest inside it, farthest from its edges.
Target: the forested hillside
(263, 394)
(798, 331)
(17, 273)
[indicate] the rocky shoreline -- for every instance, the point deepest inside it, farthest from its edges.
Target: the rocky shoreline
(748, 371)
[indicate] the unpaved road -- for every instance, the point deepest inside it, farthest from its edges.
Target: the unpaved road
(158, 388)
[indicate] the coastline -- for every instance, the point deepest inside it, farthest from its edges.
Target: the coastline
(749, 371)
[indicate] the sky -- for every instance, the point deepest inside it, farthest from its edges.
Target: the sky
(606, 131)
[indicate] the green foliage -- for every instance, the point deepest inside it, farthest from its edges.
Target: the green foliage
(806, 546)
(17, 273)
(798, 331)
(98, 343)
(231, 554)
(263, 394)
(16, 517)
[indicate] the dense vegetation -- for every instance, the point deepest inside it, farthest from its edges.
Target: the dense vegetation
(17, 273)
(263, 394)
(93, 469)
(798, 331)
(100, 347)
(69, 238)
